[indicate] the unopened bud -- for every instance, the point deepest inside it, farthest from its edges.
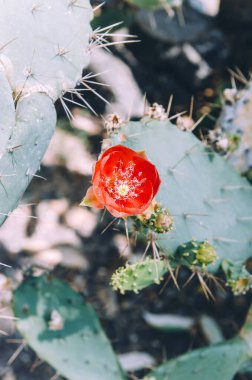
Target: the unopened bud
(206, 254)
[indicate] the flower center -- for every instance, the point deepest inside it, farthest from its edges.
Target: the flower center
(123, 183)
(123, 189)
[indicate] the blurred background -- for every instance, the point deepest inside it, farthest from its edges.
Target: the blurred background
(194, 50)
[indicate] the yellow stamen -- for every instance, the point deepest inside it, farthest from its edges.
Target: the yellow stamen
(123, 190)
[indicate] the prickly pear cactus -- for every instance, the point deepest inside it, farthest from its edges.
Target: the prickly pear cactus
(206, 197)
(236, 119)
(43, 50)
(220, 361)
(64, 331)
(139, 275)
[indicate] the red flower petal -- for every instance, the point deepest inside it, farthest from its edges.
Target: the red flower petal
(149, 171)
(91, 200)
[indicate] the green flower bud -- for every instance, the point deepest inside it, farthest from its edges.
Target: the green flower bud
(195, 254)
(237, 277)
(206, 254)
(155, 218)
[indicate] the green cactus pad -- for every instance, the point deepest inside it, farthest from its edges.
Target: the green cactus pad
(219, 362)
(139, 275)
(46, 43)
(76, 347)
(7, 111)
(35, 122)
(206, 196)
(44, 46)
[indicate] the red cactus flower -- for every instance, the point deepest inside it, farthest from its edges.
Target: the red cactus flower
(124, 182)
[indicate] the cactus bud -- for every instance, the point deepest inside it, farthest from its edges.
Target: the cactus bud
(163, 222)
(156, 112)
(155, 218)
(206, 254)
(195, 254)
(223, 142)
(237, 277)
(113, 123)
(185, 123)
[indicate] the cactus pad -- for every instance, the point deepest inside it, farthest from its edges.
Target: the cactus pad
(206, 197)
(139, 275)
(220, 362)
(63, 330)
(44, 46)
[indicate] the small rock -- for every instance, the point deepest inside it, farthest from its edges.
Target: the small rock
(127, 97)
(9, 375)
(68, 150)
(16, 224)
(48, 231)
(168, 322)
(85, 123)
(81, 220)
(66, 256)
(135, 361)
(207, 7)
(122, 245)
(6, 288)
